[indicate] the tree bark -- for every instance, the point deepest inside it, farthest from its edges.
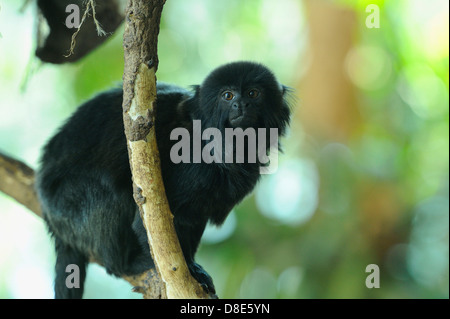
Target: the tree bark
(17, 181)
(142, 20)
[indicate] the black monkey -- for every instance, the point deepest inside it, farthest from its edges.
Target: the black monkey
(84, 181)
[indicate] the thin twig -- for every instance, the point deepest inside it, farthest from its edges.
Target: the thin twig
(98, 26)
(90, 4)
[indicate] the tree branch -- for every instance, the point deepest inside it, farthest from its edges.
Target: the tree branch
(17, 181)
(142, 18)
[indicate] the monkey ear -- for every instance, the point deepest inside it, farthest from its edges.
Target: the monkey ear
(195, 88)
(285, 89)
(289, 99)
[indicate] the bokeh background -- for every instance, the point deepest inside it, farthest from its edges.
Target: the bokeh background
(364, 178)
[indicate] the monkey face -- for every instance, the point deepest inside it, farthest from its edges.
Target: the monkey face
(244, 95)
(241, 106)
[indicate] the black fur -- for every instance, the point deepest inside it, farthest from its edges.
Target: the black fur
(84, 182)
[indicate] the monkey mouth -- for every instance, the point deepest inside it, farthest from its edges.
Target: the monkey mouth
(237, 120)
(236, 117)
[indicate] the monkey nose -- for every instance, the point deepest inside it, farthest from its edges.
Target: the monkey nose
(240, 105)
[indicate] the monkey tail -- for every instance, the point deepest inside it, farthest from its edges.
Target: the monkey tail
(70, 271)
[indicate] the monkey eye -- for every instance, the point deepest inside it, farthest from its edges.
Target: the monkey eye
(254, 93)
(228, 96)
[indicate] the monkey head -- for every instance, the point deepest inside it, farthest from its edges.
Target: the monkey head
(243, 94)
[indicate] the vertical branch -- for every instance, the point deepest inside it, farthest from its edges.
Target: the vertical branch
(142, 18)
